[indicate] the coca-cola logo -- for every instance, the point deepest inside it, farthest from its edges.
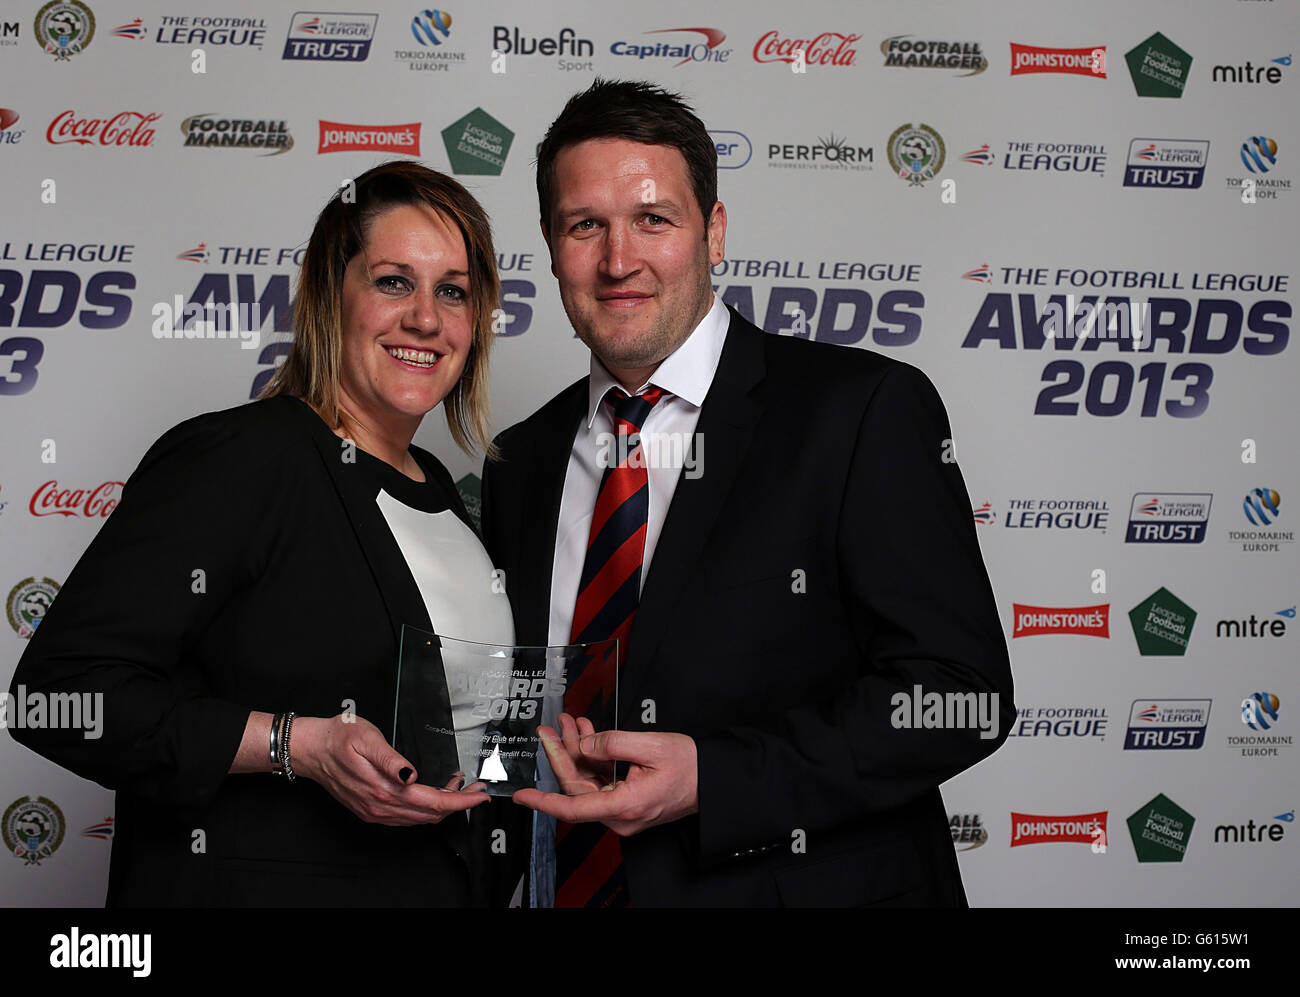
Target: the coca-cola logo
(830, 48)
(51, 500)
(124, 128)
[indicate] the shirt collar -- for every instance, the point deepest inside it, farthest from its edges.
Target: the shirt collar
(687, 372)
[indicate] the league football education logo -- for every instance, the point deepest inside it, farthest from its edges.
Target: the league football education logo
(64, 29)
(32, 829)
(1162, 623)
(1160, 830)
(477, 144)
(1159, 67)
(916, 153)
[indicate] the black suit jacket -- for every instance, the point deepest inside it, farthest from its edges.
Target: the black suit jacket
(246, 568)
(824, 560)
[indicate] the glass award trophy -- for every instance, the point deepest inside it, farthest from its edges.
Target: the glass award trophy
(475, 708)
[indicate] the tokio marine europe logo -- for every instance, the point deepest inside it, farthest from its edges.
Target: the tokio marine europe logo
(916, 153)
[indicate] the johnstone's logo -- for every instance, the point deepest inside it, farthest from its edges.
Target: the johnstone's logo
(1060, 721)
(1166, 162)
(208, 131)
(905, 52)
(1086, 621)
(32, 829)
(88, 503)
(324, 36)
(126, 128)
(1089, 61)
(968, 831)
(915, 153)
(1168, 518)
(1167, 724)
(338, 137)
(825, 154)
(1159, 67)
(734, 149)
(687, 45)
(1035, 829)
(64, 29)
(1162, 624)
(830, 48)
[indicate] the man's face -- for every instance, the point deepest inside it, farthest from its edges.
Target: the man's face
(631, 252)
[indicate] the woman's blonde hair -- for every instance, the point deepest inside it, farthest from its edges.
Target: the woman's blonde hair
(311, 370)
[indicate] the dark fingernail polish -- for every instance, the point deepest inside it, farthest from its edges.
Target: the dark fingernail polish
(405, 773)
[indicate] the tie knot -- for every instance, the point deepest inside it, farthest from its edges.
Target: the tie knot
(633, 409)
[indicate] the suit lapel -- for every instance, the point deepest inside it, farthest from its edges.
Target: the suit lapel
(727, 420)
(540, 495)
(397, 587)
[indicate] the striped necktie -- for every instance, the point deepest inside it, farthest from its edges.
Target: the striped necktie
(589, 859)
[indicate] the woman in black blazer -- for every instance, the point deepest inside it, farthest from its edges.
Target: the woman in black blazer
(241, 609)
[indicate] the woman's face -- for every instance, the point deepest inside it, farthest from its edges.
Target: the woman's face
(407, 322)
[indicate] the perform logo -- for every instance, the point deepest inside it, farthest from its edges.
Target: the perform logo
(1167, 724)
(338, 137)
(1166, 162)
(1085, 621)
(1165, 518)
(1090, 61)
(325, 36)
(1034, 829)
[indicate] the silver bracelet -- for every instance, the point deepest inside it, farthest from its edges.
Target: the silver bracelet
(284, 747)
(275, 742)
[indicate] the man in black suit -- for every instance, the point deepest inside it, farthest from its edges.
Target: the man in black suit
(802, 578)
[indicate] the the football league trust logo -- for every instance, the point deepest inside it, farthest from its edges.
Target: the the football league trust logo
(916, 153)
(32, 829)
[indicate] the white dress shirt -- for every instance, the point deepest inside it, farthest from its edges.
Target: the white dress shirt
(667, 442)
